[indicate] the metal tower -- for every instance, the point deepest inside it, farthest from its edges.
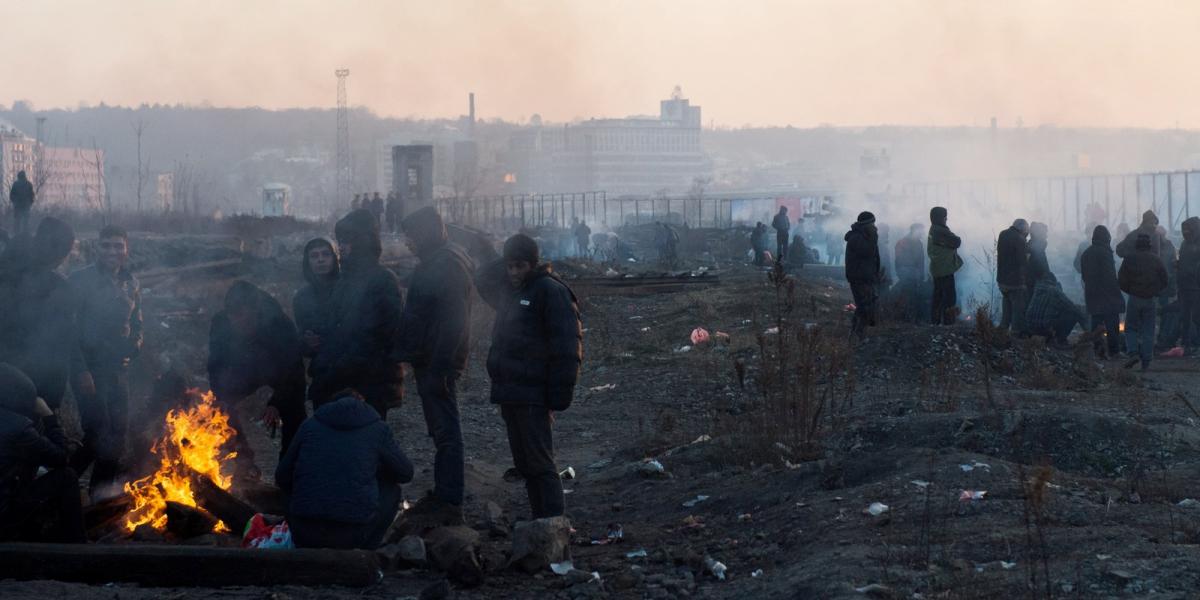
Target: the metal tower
(345, 164)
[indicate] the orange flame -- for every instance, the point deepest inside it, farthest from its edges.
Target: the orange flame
(1121, 327)
(193, 440)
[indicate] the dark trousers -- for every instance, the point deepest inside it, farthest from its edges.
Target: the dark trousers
(1189, 314)
(439, 402)
(1112, 330)
(865, 300)
(1139, 328)
(781, 245)
(46, 509)
(326, 533)
(1012, 309)
(760, 257)
(20, 218)
(944, 298)
(104, 418)
(532, 443)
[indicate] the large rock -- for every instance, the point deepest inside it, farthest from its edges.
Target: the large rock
(540, 542)
(408, 552)
(455, 550)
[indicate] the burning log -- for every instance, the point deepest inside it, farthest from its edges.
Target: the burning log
(167, 565)
(185, 522)
(223, 505)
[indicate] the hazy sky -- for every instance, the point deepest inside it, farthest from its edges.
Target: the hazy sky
(759, 62)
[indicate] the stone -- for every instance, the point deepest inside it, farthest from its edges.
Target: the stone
(439, 590)
(539, 542)
(455, 551)
(412, 551)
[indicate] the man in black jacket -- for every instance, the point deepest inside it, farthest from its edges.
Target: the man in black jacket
(1101, 292)
(21, 196)
(29, 439)
(1188, 278)
(782, 226)
(1012, 263)
(434, 338)
(1143, 276)
(537, 347)
(252, 343)
(360, 352)
(863, 270)
(109, 325)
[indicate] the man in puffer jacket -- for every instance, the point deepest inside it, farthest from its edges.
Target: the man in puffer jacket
(343, 474)
(863, 270)
(537, 347)
(944, 262)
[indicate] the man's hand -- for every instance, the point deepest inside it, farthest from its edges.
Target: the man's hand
(84, 384)
(270, 417)
(312, 340)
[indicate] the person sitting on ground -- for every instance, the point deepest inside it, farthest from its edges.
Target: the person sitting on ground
(342, 475)
(1101, 292)
(29, 440)
(1051, 314)
(1143, 276)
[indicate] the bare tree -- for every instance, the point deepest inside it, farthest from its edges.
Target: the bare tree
(103, 196)
(139, 128)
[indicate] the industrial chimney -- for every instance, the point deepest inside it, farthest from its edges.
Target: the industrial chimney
(471, 116)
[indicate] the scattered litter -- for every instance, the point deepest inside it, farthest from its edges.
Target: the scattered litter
(703, 438)
(164, 325)
(757, 573)
(652, 468)
(644, 329)
(682, 349)
(975, 465)
(745, 517)
(1103, 556)
(971, 495)
(1007, 565)
(1176, 352)
(1188, 503)
(694, 501)
(615, 534)
(716, 567)
(693, 522)
(636, 318)
(566, 491)
(921, 483)
(771, 331)
(699, 336)
(567, 473)
(600, 464)
(639, 553)
(603, 388)
(851, 307)
(876, 509)
(875, 588)
(562, 568)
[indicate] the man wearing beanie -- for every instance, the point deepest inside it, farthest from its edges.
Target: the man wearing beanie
(863, 270)
(434, 338)
(360, 352)
(537, 347)
(944, 261)
(1143, 276)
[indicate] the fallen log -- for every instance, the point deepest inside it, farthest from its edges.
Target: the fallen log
(221, 504)
(168, 565)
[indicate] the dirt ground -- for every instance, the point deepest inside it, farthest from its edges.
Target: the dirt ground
(774, 456)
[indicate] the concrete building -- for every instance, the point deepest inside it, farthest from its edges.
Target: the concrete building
(276, 199)
(16, 154)
(61, 176)
(635, 155)
(412, 175)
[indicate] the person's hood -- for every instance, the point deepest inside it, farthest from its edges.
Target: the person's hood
(864, 229)
(347, 414)
(1149, 219)
(1191, 229)
(52, 243)
(311, 277)
(1101, 236)
(938, 215)
(361, 229)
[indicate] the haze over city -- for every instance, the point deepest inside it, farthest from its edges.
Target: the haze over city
(763, 63)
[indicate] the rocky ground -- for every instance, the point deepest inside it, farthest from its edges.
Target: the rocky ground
(921, 463)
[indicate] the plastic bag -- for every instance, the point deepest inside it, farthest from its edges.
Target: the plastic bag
(267, 533)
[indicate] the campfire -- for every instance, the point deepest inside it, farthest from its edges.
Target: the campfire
(191, 447)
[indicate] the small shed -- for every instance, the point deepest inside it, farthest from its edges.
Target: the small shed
(277, 199)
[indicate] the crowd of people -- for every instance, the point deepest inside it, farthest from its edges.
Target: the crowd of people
(352, 337)
(1156, 287)
(387, 211)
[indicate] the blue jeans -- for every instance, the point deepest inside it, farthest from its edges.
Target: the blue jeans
(1139, 327)
(439, 402)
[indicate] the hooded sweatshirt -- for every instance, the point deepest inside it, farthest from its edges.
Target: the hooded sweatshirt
(1188, 269)
(313, 304)
(1149, 227)
(1097, 268)
(334, 467)
(862, 254)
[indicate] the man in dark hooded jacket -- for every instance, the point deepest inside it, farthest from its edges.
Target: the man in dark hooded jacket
(1143, 276)
(863, 270)
(537, 347)
(360, 352)
(29, 439)
(434, 338)
(1187, 274)
(1101, 292)
(1149, 227)
(782, 226)
(758, 243)
(252, 343)
(312, 305)
(1039, 263)
(944, 262)
(1012, 263)
(21, 196)
(343, 476)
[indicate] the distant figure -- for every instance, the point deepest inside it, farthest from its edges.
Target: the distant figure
(1149, 227)
(21, 196)
(110, 336)
(1143, 276)
(342, 475)
(1187, 276)
(835, 249)
(377, 207)
(758, 243)
(782, 226)
(1101, 291)
(1168, 331)
(394, 212)
(944, 261)
(800, 250)
(583, 235)
(863, 271)
(356, 203)
(1051, 314)
(1122, 231)
(1012, 271)
(909, 266)
(667, 241)
(1038, 264)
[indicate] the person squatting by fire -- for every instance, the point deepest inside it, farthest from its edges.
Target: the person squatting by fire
(344, 354)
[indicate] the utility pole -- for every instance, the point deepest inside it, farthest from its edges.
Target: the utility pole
(345, 168)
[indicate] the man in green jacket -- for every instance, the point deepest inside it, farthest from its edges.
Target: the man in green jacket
(943, 263)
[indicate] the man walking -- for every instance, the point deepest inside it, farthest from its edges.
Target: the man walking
(944, 261)
(863, 271)
(1143, 276)
(21, 196)
(537, 347)
(782, 226)
(434, 338)
(1012, 264)
(109, 326)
